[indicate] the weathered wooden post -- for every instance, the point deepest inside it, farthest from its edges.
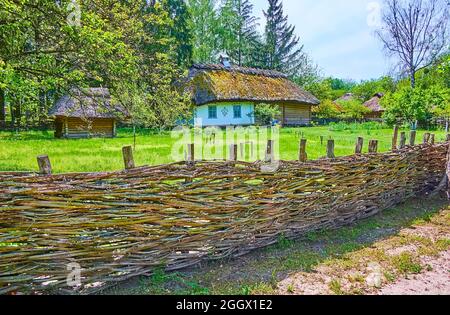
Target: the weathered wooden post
(412, 138)
(45, 167)
(242, 150)
(128, 159)
(433, 139)
(302, 156)
(395, 138)
(190, 158)
(233, 152)
(359, 145)
(269, 151)
(426, 138)
(448, 137)
(373, 146)
(330, 149)
(402, 140)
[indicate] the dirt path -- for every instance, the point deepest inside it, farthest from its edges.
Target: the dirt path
(416, 261)
(434, 282)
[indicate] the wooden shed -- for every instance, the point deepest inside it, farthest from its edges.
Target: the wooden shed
(226, 95)
(85, 113)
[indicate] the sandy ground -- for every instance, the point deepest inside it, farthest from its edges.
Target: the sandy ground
(434, 282)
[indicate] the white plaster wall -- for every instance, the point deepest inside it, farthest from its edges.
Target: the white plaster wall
(225, 116)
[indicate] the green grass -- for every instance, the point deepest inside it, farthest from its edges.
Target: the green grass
(18, 151)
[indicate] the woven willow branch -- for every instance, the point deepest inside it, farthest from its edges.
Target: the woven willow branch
(124, 224)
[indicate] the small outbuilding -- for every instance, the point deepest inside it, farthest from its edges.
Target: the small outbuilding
(374, 105)
(85, 113)
(226, 95)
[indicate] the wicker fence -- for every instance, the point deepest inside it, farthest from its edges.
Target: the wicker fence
(124, 224)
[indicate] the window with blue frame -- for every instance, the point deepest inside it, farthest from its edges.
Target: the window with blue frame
(212, 112)
(237, 111)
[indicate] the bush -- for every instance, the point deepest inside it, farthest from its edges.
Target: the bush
(266, 113)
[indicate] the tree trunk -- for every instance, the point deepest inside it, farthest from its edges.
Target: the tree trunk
(413, 79)
(2, 108)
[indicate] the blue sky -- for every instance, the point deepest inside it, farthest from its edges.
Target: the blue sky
(338, 35)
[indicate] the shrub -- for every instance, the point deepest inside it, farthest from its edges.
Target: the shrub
(266, 113)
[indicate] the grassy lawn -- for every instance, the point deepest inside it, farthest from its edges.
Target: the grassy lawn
(331, 262)
(18, 151)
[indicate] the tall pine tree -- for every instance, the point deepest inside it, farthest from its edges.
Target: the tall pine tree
(239, 35)
(282, 52)
(181, 31)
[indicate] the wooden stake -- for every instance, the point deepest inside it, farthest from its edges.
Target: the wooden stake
(190, 158)
(359, 145)
(412, 138)
(448, 137)
(128, 159)
(373, 146)
(269, 151)
(233, 152)
(433, 139)
(330, 149)
(302, 156)
(426, 138)
(402, 140)
(395, 138)
(45, 167)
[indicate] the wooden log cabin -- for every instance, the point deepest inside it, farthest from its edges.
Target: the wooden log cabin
(226, 95)
(85, 113)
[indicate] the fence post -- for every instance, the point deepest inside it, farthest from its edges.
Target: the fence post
(128, 159)
(269, 151)
(190, 158)
(302, 156)
(242, 149)
(432, 139)
(359, 145)
(412, 139)
(448, 137)
(426, 138)
(45, 167)
(373, 146)
(233, 152)
(330, 149)
(402, 140)
(395, 138)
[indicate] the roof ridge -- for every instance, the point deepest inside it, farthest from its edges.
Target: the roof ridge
(240, 69)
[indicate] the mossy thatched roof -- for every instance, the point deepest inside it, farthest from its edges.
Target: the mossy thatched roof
(374, 103)
(87, 103)
(216, 83)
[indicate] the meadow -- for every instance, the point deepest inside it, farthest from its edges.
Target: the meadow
(18, 151)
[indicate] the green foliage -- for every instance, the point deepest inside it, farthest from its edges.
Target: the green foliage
(326, 110)
(266, 113)
(367, 89)
(204, 25)
(127, 48)
(353, 109)
(343, 126)
(409, 105)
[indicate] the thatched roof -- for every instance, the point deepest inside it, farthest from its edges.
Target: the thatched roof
(374, 103)
(87, 103)
(217, 83)
(345, 97)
